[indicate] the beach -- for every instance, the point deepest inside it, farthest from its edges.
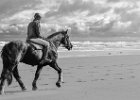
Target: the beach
(107, 77)
(98, 45)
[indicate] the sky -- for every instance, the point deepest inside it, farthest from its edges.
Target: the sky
(97, 18)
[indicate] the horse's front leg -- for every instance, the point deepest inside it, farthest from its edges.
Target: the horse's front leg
(39, 68)
(59, 70)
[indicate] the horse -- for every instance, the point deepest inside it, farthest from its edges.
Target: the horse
(15, 52)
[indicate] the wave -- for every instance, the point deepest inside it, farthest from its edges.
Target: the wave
(95, 46)
(2, 43)
(88, 45)
(88, 48)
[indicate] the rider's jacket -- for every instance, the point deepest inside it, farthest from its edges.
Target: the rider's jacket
(33, 30)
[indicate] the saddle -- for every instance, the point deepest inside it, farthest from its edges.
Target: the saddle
(36, 46)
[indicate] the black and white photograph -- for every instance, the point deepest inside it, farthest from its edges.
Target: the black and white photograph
(69, 49)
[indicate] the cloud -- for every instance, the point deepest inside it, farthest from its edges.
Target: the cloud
(83, 16)
(68, 8)
(11, 7)
(12, 29)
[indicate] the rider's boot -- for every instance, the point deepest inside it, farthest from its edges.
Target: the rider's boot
(45, 58)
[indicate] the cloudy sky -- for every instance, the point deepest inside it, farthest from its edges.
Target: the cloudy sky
(101, 18)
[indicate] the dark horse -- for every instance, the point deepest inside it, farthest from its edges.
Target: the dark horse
(19, 51)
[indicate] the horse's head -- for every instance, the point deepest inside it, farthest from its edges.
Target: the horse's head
(66, 41)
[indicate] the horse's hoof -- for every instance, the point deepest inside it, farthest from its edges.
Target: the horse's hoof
(58, 85)
(24, 89)
(2, 93)
(34, 88)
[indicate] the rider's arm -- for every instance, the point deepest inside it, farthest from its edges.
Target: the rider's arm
(37, 29)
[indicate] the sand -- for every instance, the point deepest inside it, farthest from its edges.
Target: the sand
(85, 78)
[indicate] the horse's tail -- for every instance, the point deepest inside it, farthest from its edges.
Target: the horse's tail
(11, 54)
(7, 61)
(8, 77)
(4, 51)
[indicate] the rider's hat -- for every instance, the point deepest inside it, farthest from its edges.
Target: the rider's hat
(37, 16)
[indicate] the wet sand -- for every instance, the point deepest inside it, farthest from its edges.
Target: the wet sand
(85, 78)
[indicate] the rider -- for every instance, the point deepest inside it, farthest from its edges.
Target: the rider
(33, 35)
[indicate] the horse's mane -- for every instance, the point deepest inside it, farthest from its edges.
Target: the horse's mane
(54, 34)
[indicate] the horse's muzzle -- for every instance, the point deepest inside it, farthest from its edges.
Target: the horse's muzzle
(70, 47)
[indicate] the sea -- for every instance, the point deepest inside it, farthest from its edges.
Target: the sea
(82, 48)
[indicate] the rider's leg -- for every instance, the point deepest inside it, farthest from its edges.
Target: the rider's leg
(45, 45)
(45, 57)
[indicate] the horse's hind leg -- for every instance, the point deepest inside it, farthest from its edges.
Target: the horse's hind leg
(60, 76)
(39, 68)
(17, 77)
